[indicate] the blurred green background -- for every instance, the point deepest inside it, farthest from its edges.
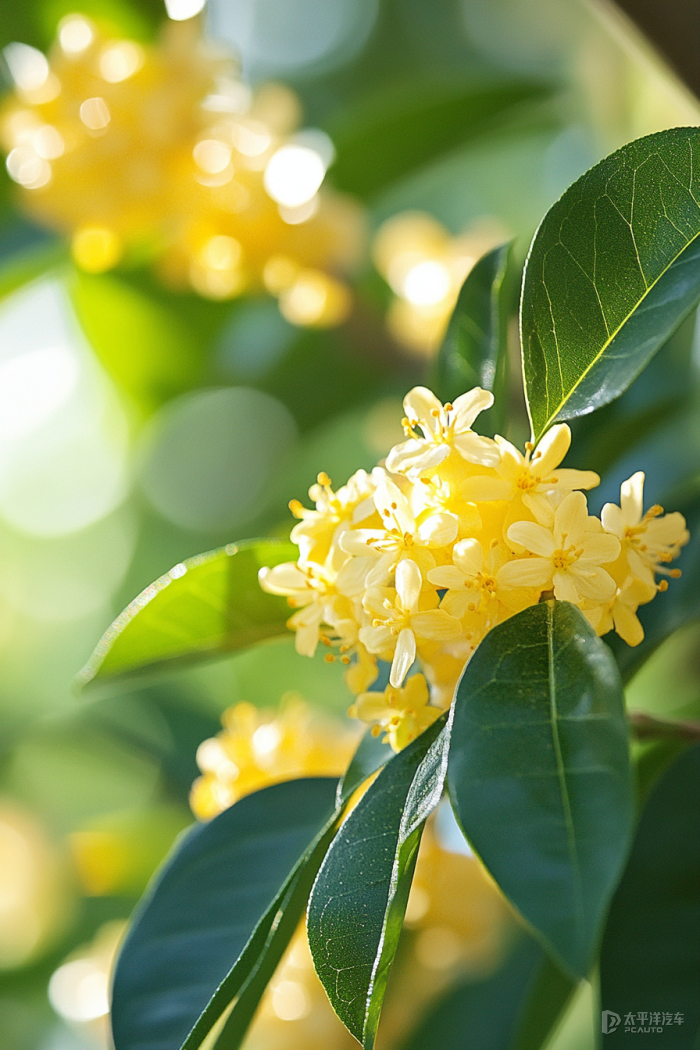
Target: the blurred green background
(139, 426)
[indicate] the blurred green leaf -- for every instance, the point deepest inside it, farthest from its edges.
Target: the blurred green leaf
(515, 1009)
(357, 905)
(396, 132)
(539, 773)
(204, 607)
(613, 270)
(650, 958)
(474, 351)
(150, 352)
(679, 605)
(199, 933)
(370, 756)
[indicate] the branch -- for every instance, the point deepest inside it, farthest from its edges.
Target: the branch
(645, 727)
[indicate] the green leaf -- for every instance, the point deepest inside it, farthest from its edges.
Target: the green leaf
(539, 773)
(668, 611)
(358, 902)
(205, 922)
(475, 349)
(206, 606)
(613, 270)
(515, 1009)
(392, 134)
(650, 958)
(370, 756)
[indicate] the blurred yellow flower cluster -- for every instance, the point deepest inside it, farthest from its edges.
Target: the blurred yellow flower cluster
(457, 920)
(425, 267)
(160, 151)
(418, 560)
(258, 747)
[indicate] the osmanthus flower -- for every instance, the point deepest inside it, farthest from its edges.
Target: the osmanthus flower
(568, 558)
(648, 540)
(533, 474)
(419, 560)
(402, 536)
(401, 713)
(442, 429)
(401, 620)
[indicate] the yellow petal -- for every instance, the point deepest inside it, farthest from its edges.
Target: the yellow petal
(525, 572)
(570, 520)
(468, 556)
(632, 498)
(533, 537)
(600, 548)
(627, 625)
(576, 479)
(404, 656)
(482, 489)
(565, 589)
(435, 625)
(408, 583)
(551, 450)
(468, 406)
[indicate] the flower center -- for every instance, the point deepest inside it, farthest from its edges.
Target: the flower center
(564, 559)
(527, 481)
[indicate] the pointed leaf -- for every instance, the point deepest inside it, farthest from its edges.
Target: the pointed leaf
(650, 958)
(613, 270)
(475, 348)
(358, 902)
(206, 606)
(539, 773)
(204, 923)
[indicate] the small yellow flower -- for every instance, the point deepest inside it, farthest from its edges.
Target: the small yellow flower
(621, 612)
(399, 621)
(402, 713)
(471, 579)
(649, 540)
(444, 428)
(568, 557)
(308, 588)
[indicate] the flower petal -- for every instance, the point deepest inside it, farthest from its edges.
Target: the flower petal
(593, 582)
(361, 542)
(435, 625)
(533, 537)
(613, 520)
(632, 498)
(448, 576)
(438, 530)
(600, 547)
(408, 584)
(468, 556)
(565, 589)
(476, 449)
(283, 579)
(420, 404)
(627, 625)
(404, 657)
(575, 479)
(306, 640)
(377, 639)
(570, 520)
(525, 572)
(393, 507)
(353, 575)
(551, 450)
(468, 406)
(415, 457)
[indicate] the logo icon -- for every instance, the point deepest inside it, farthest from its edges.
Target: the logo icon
(610, 1021)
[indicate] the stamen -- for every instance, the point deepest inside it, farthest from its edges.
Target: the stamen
(662, 585)
(676, 574)
(324, 480)
(297, 508)
(329, 658)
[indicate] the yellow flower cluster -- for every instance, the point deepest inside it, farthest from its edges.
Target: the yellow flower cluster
(160, 151)
(418, 560)
(257, 748)
(425, 268)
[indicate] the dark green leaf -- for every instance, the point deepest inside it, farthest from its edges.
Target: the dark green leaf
(475, 349)
(208, 605)
(206, 920)
(370, 756)
(515, 1009)
(679, 605)
(650, 959)
(395, 133)
(539, 773)
(358, 903)
(613, 270)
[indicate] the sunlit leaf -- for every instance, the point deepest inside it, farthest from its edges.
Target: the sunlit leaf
(206, 606)
(208, 918)
(358, 902)
(392, 135)
(613, 270)
(539, 773)
(474, 351)
(650, 960)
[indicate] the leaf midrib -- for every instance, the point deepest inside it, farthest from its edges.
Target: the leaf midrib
(553, 415)
(563, 786)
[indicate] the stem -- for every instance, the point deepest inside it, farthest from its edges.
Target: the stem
(645, 727)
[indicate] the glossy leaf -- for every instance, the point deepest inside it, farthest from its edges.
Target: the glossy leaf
(206, 606)
(358, 902)
(613, 270)
(539, 773)
(474, 351)
(514, 1009)
(207, 918)
(650, 958)
(392, 135)
(674, 608)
